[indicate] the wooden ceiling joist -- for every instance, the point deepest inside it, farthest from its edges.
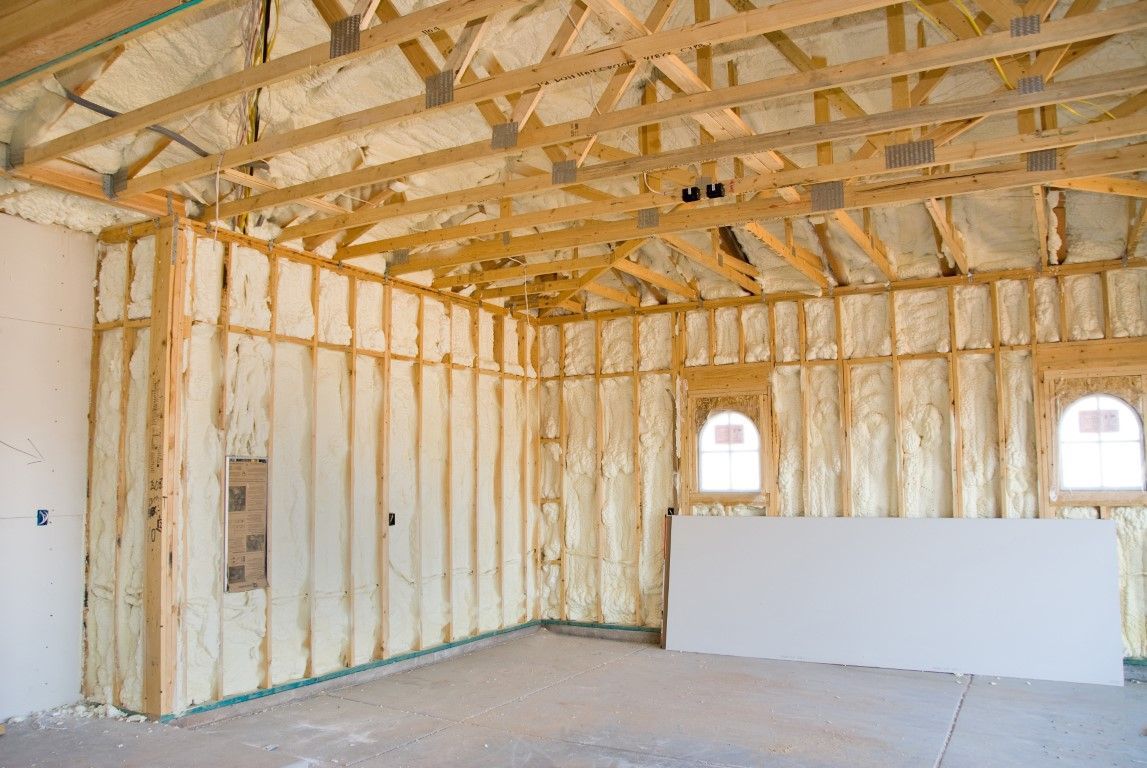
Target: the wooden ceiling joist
(1106, 185)
(1004, 176)
(1123, 18)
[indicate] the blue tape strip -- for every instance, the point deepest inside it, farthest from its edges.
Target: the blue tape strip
(103, 41)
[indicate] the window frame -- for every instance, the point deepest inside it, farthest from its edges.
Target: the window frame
(740, 381)
(1065, 373)
(1062, 414)
(701, 429)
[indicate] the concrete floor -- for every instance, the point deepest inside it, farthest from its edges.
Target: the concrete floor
(546, 699)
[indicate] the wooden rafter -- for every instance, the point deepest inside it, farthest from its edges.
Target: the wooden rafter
(1007, 176)
(1126, 17)
(1106, 185)
(941, 214)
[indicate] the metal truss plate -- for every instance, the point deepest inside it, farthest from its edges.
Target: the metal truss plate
(1025, 25)
(648, 217)
(505, 136)
(564, 172)
(440, 89)
(909, 153)
(345, 36)
(1033, 84)
(827, 196)
(1043, 160)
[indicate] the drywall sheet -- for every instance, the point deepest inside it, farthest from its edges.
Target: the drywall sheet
(1016, 598)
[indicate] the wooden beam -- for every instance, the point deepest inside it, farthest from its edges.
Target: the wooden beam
(331, 10)
(274, 71)
(800, 260)
(44, 36)
(713, 263)
(579, 264)
(1124, 18)
(645, 274)
(942, 217)
(1137, 223)
(1121, 160)
(1106, 185)
(164, 405)
(872, 247)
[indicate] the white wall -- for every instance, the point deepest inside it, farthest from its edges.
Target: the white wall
(46, 276)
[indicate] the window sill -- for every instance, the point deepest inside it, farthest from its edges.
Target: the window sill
(1100, 499)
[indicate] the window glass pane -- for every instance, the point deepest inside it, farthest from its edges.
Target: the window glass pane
(746, 469)
(714, 471)
(1122, 466)
(1079, 466)
(708, 441)
(1100, 445)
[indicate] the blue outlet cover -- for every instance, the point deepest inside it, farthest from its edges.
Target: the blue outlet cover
(41, 517)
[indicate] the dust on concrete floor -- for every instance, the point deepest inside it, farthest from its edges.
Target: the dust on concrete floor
(554, 700)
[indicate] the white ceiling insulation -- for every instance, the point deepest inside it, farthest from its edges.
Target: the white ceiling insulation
(998, 229)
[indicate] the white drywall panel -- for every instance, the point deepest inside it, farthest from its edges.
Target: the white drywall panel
(1015, 598)
(46, 305)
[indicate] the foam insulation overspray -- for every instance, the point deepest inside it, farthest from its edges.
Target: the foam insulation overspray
(1012, 305)
(787, 331)
(978, 423)
(142, 271)
(697, 338)
(404, 323)
(99, 625)
(531, 512)
(973, 317)
(549, 336)
(365, 531)
(248, 425)
(110, 283)
(617, 345)
(204, 295)
(789, 421)
(369, 333)
(330, 607)
(656, 461)
(436, 327)
(655, 342)
(824, 450)
(486, 358)
(334, 303)
(204, 456)
(1021, 490)
(873, 469)
(619, 515)
(865, 325)
(820, 329)
(1131, 526)
(295, 316)
(579, 348)
(489, 567)
(402, 498)
(132, 545)
(463, 425)
(1127, 301)
(921, 321)
(1083, 303)
(513, 587)
(727, 341)
(432, 511)
(249, 285)
(581, 513)
(292, 485)
(925, 445)
(755, 331)
(1046, 310)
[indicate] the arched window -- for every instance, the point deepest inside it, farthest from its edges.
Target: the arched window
(1100, 446)
(729, 454)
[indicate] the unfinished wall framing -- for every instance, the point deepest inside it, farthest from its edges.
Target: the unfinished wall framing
(371, 398)
(938, 373)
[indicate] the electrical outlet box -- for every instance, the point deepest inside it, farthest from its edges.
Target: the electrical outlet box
(41, 517)
(390, 519)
